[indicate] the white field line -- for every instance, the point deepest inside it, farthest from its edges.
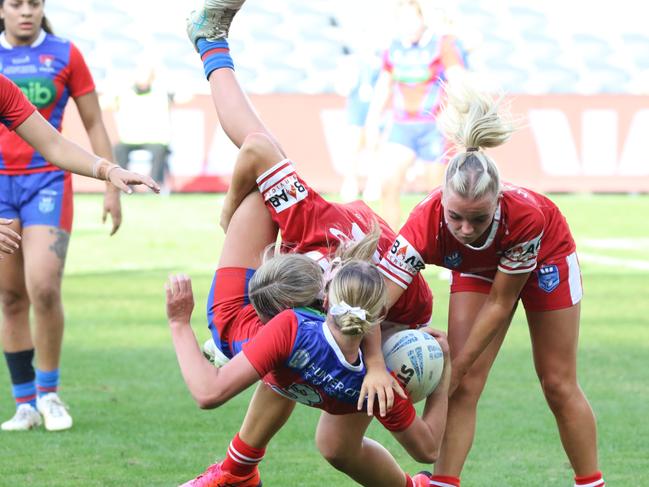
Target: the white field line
(635, 264)
(641, 243)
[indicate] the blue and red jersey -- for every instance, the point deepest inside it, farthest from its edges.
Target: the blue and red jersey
(297, 356)
(14, 107)
(418, 71)
(49, 72)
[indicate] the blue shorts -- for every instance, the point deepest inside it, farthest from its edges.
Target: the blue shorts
(357, 110)
(423, 138)
(231, 319)
(43, 198)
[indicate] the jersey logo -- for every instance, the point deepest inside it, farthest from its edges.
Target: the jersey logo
(452, 260)
(403, 256)
(548, 276)
(303, 393)
(46, 60)
(299, 359)
(286, 193)
(46, 204)
(40, 91)
(523, 254)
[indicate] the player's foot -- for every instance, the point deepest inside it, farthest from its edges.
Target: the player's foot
(214, 476)
(212, 22)
(55, 413)
(26, 418)
(422, 479)
(213, 354)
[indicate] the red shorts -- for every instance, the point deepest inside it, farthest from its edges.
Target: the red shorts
(311, 225)
(230, 317)
(554, 284)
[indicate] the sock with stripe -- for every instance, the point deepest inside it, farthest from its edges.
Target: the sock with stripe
(445, 481)
(22, 375)
(215, 55)
(594, 480)
(242, 459)
(47, 381)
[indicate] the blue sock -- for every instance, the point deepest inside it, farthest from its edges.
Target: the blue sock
(24, 393)
(215, 55)
(47, 382)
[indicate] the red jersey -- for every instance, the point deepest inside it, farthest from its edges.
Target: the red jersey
(298, 357)
(313, 226)
(48, 72)
(14, 106)
(527, 229)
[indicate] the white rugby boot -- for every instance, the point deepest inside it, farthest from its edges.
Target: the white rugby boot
(55, 413)
(213, 354)
(26, 418)
(212, 22)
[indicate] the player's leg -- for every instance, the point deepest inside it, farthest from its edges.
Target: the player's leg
(208, 28)
(462, 406)
(16, 338)
(341, 441)
(554, 337)
(267, 413)
(45, 249)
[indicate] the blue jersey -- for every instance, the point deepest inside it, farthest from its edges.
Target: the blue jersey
(48, 72)
(297, 356)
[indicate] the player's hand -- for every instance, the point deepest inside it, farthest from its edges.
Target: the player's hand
(379, 385)
(180, 300)
(441, 338)
(9, 239)
(122, 179)
(112, 207)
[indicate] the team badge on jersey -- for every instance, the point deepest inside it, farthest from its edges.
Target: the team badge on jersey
(286, 193)
(47, 202)
(548, 278)
(453, 260)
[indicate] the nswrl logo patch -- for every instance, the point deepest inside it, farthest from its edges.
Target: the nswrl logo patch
(548, 276)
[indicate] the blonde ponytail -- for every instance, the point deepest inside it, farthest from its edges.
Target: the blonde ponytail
(472, 120)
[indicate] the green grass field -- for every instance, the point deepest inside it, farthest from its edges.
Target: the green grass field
(136, 425)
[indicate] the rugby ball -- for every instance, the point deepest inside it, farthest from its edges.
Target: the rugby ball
(417, 360)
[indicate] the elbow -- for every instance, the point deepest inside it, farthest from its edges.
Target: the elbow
(208, 400)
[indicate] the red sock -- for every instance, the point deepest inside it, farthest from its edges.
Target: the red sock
(409, 482)
(242, 459)
(445, 481)
(594, 480)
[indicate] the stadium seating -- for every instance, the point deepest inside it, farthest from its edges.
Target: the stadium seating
(297, 46)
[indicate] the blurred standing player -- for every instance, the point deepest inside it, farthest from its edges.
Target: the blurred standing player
(415, 65)
(502, 243)
(49, 70)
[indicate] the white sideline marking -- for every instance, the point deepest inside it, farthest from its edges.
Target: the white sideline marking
(641, 243)
(638, 265)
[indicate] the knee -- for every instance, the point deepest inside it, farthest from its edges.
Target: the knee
(334, 452)
(13, 302)
(46, 297)
(469, 390)
(558, 390)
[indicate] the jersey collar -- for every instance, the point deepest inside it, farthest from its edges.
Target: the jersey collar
(39, 40)
(339, 353)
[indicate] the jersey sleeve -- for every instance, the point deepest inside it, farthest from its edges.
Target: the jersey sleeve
(80, 81)
(271, 347)
(522, 248)
(406, 256)
(451, 52)
(14, 105)
(400, 417)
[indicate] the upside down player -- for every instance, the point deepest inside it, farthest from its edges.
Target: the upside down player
(502, 243)
(302, 354)
(38, 197)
